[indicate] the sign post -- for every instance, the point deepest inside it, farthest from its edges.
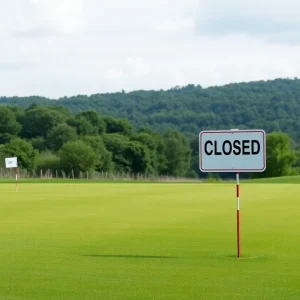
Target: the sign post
(233, 151)
(12, 162)
(238, 213)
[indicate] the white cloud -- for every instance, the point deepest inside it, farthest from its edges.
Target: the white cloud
(175, 26)
(115, 74)
(44, 18)
(67, 47)
(266, 19)
(138, 67)
(15, 55)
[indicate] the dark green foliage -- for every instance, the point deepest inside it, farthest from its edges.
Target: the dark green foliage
(104, 156)
(59, 135)
(38, 121)
(2, 157)
(192, 174)
(280, 159)
(128, 156)
(159, 130)
(39, 143)
(156, 147)
(48, 161)
(62, 110)
(139, 155)
(194, 145)
(82, 126)
(147, 140)
(9, 127)
(78, 157)
(93, 118)
(24, 151)
(270, 105)
(17, 111)
(87, 123)
(121, 126)
(178, 153)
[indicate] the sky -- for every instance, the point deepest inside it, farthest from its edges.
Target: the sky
(57, 48)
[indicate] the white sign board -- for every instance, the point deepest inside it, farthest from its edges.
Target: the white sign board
(232, 151)
(11, 162)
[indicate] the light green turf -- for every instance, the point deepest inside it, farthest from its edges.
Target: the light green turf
(286, 179)
(148, 241)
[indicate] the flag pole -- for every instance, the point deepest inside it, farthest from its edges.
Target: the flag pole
(238, 213)
(16, 179)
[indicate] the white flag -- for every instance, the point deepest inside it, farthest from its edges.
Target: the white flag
(11, 162)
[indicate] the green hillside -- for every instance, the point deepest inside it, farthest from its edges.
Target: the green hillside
(271, 105)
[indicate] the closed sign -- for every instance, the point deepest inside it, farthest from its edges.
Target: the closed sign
(232, 151)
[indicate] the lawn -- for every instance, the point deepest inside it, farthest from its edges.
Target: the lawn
(148, 241)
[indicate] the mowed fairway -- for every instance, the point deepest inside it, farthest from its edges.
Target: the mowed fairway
(149, 241)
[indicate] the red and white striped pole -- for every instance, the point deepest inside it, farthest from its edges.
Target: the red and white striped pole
(238, 213)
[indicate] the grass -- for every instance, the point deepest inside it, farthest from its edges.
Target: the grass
(278, 180)
(148, 241)
(84, 181)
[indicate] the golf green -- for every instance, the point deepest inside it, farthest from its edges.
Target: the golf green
(149, 241)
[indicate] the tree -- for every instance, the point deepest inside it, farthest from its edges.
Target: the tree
(38, 121)
(9, 127)
(24, 151)
(128, 156)
(156, 146)
(148, 141)
(62, 110)
(59, 135)
(39, 143)
(94, 118)
(272, 105)
(17, 111)
(280, 159)
(78, 157)
(104, 156)
(87, 123)
(83, 126)
(2, 157)
(194, 145)
(140, 158)
(120, 126)
(177, 152)
(47, 160)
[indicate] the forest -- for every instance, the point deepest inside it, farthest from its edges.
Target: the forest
(51, 138)
(150, 132)
(270, 105)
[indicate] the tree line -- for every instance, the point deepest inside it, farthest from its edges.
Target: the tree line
(52, 138)
(272, 105)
